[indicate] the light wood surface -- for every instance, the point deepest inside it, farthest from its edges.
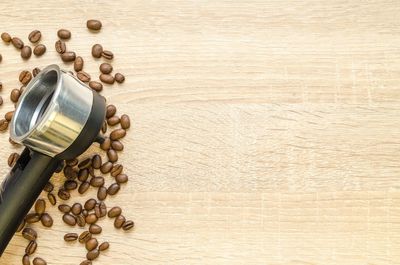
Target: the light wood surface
(264, 132)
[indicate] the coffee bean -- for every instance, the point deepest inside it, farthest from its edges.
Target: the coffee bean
(40, 206)
(93, 24)
(97, 210)
(21, 226)
(85, 212)
(3, 125)
(116, 170)
(1, 101)
(39, 261)
(110, 111)
(112, 121)
(25, 76)
(83, 187)
(14, 95)
(29, 234)
(119, 78)
(85, 163)
(97, 50)
(72, 162)
(91, 244)
(60, 47)
(64, 34)
(12, 159)
(25, 260)
(106, 167)
(91, 255)
(104, 246)
(60, 166)
(17, 42)
(39, 50)
(121, 178)
(106, 68)
(91, 218)
(71, 237)
(52, 199)
(117, 145)
(102, 193)
(128, 225)
(1, 86)
(95, 229)
(80, 220)
(78, 64)
(83, 174)
(86, 262)
(34, 36)
(96, 161)
(70, 173)
(125, 122)
(96, 86)
(112, 155)
(69, 219)
(89, 204)
(35, 70)
(83, 76)
(117, 134)
(6, 37)
(119, 221)
(113, 189)
(26, 52)
(107, 55)
(8, 116)
(64, 208)
(70, 185)
(106, 144)
(104, 126)
(107, 79)
(47, 220)
(68, 56)
(114, 212)
(84, 237)
(32, 218)
(76, 208)
(63, 194)
(103, 209)
(48, 187)
(31, 248)
(97, 181)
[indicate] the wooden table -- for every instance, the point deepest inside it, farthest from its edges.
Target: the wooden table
(264, 132)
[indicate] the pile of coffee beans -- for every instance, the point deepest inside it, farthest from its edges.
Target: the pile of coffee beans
(82, 173)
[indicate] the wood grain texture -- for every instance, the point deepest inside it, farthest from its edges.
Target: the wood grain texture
(264, 132)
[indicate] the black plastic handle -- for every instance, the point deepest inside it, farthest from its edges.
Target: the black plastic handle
(20, 189)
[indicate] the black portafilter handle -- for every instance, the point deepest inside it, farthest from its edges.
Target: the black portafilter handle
(57, 118)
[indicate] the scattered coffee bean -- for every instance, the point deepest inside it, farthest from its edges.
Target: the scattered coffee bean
(40, 206)
(60, 166)
(29, 234)
(96, 161)
(47, 220)
(39, 261)
(110, 111)
(49, 187)
(25, 76)
(83, 76)
(114, 120)
(6, 37)
(114, 212)
(1, 101)
(119, 78)
(70, 185)
(116, 170)
(76, 208)
(112, 155)
(69, 219)
(8, 116)
(85, 163)
(121, 178)
(68, 56)
(128, 225)
(71, 237)
(52, 199)
(17, 42)
(70, 172)
(60, 47)
(106, 167)
(106, 68)
(80, 220)
(90, 204)
(14, 95)
(107, 79)
(39, 50)
(34, 36)
(83, 187)
(63, 194)
(86, 262)
(78, 64)
(103, 209)
(91, 218)
(84, 237)
(35, 70)
(12, 159)
(113, 189)
(119, 221)
(83, 174)
(31, 248)
(95, 229)
(21, 226)
(64, 208)
(117, 145)
(96, 86)
(117, 134)
(72, 162)
(32, 218)
(107, 55)
(97, 50)
(26, 52)
(106, 145)
(91, 244)
(102, 193)
(104, 126)
(25, 260)
(125, 122)
(104, 246)
(91, 255)
(64, 34)
(93, 24)
(3, 125)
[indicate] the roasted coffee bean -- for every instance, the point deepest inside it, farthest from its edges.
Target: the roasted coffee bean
(96, 161)
(114, 212)
(26, 52)
(17, 42)
(117, 134)
(29, 234)
(6, 37)
(91, 171)
(70, 185)
(14, 95)
(125, 122)
(128, 225)
(1, 86)
(95, 229)
(96, 86)
(104, 127)
(35, 71)
(72, 162)
(83, 174)
(25, 260)
(102, 193)
(91, 255)
(78, 64)
(12, 159)
(31, 248)
(93, 24)
(49, 187)
(21, 226)
(69, 219)
(112, 155)
(32, 218)
(102, 209)
(106, 167)
(83, 187)
(64, 34)
(39, 50)
(25, 76)
(46, 220)
(104, 246)
(112, 121)
(3, 125)
(116, 170)
(119, 78)
(110, 111)
(97, 181)
(91, 244)
(107, 79)
(34, 36)
(85, 163)
(80, 220)
(97, 50)
(119, 221)
(70, 173)
(107, 55)
(40, 206)
(8, 116)
(1, 101)
(60, 166)
(91, 218)
(106, 144)
(64, 208)
(97, 210)
(52, 199)
(113, 189)
(76, 208)
(84, 237)
(60, 47)
(90, 204)
(106, 68)
(117, 145)
(63, 194)
(70, 237)
(121, 178)
(83, 76)
(86, 262)
(68, 56)
(39, 261)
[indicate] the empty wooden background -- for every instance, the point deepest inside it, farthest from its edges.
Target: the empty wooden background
(264, 132)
